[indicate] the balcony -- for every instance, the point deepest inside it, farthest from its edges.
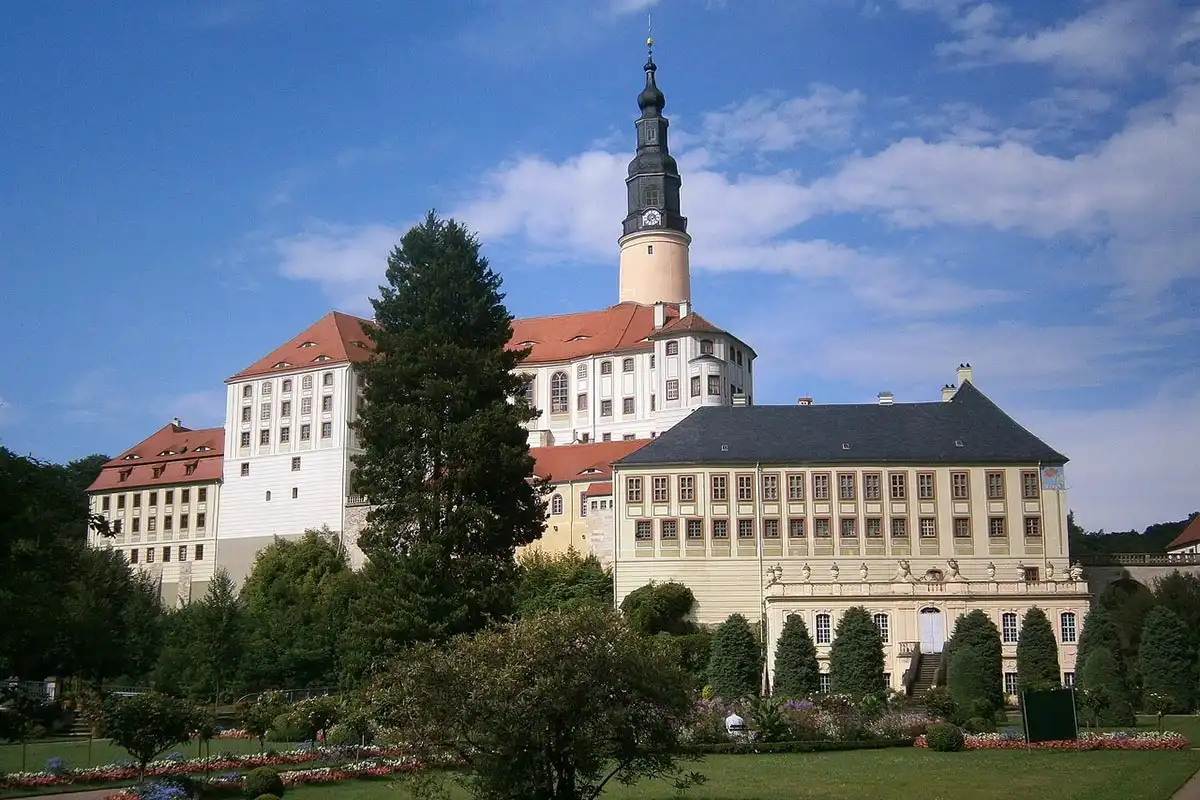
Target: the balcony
(849, 587)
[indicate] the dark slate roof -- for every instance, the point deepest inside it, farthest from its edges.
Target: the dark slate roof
(903, 433)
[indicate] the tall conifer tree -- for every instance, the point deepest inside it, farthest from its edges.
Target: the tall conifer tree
(446, 461)
(1037, 653)
(797, 674)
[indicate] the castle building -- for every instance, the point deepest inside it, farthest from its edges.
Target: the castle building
(920, 512)
(162, 500)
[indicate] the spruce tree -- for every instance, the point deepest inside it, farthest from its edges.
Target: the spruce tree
(856, 657)
(1167, 659)
(1100, 634)
(796, 672)
(1037, 653)
(446, 461)
(977, 631)
(1101, 674)
(734, 658)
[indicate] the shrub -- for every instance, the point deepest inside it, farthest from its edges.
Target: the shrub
(263, 780)
(796, 671)
(733, 661)
(286, 729)
(939, 703)
(1104, 692)
(660, 608)
(856, 657)
(1166, 658)
(694, 649)
(944, 738)
(1037, 653)
(766, 720)
(804, 721)
(970, 681)
(980, 725)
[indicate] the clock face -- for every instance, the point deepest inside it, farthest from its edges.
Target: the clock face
(652, 217)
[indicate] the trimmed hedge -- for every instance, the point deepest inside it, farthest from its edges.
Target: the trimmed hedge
(760, 748)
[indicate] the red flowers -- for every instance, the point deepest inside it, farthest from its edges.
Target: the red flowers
(1118, 740)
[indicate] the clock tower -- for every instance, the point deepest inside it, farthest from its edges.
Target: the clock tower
(654, 239)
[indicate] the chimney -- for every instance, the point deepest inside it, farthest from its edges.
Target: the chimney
(175, 421)
(739, 399)
(660, 315)
(964, 373)
(685, 308)
(804, 401)
(948, 392)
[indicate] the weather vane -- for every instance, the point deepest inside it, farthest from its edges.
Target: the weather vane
(649, 35)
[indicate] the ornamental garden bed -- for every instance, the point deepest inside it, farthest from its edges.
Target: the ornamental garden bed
(1116, 740)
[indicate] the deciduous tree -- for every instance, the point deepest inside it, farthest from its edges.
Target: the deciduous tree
(146, 724)
(548, 582)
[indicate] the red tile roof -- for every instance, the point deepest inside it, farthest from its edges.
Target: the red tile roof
(1189, 535)
(335, 338)
(692, 323)
(599, 489)
(579, 462)
(563, 337)
(169, 452)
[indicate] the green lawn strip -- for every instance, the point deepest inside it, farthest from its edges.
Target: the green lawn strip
(74, 752)
(892, 774)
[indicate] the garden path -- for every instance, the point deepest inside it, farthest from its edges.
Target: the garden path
(1189, 791)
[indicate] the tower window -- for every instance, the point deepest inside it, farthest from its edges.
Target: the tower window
(649, 249)
(653, 197)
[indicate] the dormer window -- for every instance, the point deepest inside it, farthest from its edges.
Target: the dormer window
(322, 358)
(581, 337)
(167, 453)
(124, 474)
(281, 364)
(131, 457)
(360, 345)
(158, 471)
(527, 343)
(308, 344)
(203, 448)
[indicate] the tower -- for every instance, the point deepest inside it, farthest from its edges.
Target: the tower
(654, 240)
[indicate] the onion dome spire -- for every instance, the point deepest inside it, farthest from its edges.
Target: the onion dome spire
(651, 101)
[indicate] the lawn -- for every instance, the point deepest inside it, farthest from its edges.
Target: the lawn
(75, 753)
(896, 774)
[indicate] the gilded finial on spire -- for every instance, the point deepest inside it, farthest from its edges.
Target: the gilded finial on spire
(649, 36)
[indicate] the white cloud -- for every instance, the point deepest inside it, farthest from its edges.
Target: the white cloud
(348, 262)
(631, 6)
(773, 123)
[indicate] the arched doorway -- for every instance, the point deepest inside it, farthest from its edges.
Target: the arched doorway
(932, 627)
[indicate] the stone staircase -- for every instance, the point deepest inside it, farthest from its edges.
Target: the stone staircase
(927, 671)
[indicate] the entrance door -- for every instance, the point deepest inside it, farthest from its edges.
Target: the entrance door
(933, 630)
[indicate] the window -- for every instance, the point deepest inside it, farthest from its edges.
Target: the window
(305, 406)
(117, 526)
(287, 386)
(1010, 683)
(650, 247)
(659, 487)
(326, 403)
(633, 490)
(267, 497)
(137, 500)
(627, 365)
(305, 383)
(1066, 626)
(924, 485)
(706, 347)
(824, 682)
(1069, 679)
(583, 504)
(556, 504)
(820, 487)
(962, 528)
(199, 552)
(720, 488)
(606, 437)
(881, 622)
(960, 487)
(821, 528)
(642, 530)
(796, 487)
(1029, 485)
(653, 196)
(770, 529)
(157, 472)
(720, 529)
(687, 488)
(695, 383)
(169, 496)
(1031, 574)
(264, 411)
(149, 555)
(874, 528)
(653, 402)
(695, 530)
(995, 485)
(247, 391)
(285, 434)
(606, 368)
(264, 437)
(327, 379)
(189, 469)
(871, 489)
(745, 529)
(137, 524)
(133, 556)
(266, 389)
(714, 385)
(898, 485)
(326, 430)
(185, 496)
(168, 523)
(1033, 527)
(120, 501)
(770, 488)
(183, 552)
(246, 411)
(652, 361)
(627, 405)
(200, 521)
(245, 439)
(928, 528)
(152, 524)
(996, 529)
(849, 528)
(1008, 627)
(672, 348)
(245, 469)
(824, 631)
(153, 499)
(581, 371)
(846, 486)
(745, 488)
(201, 495)
(106, 502)
(796, 528)
(295, 463)
(285, 408)
(184, 519)
(606, 408)
(668, 530)
(581, 402)
(124, 474)
(305, 432)
(899, 528)
(673, 389)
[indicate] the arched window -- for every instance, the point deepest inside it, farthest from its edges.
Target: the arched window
(529, 389)
(558, 393)
(824, 628)
(627, 365)
(672, 348)
(706, 347)
(1067, 627)
(881, 622)
(556, 504)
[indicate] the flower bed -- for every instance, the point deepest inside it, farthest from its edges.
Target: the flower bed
(1119, 740)
(57, 775)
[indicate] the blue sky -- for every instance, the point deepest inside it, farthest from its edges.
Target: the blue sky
(876, 190)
